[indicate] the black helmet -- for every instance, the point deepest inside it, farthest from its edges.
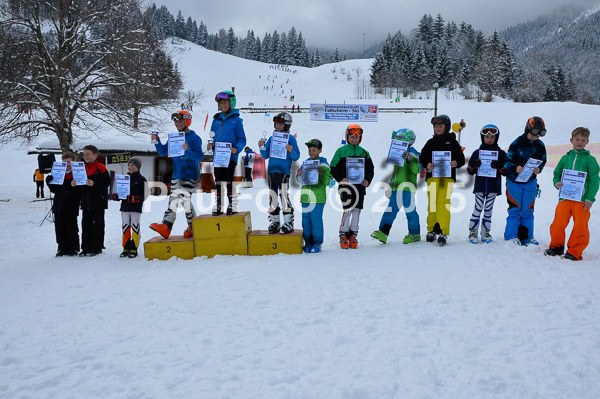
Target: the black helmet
(536, 126)
(442, 120)
(284, 118)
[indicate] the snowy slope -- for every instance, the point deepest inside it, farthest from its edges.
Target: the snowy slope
(382, 321)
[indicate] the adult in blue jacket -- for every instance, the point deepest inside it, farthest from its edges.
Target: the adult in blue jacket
(228, 128)
(186, 171)
(279, 175)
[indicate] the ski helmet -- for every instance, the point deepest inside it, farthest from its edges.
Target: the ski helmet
(226, 95)
(442, 120)
(490, 130)
(536, 126)
(354, 130)
(405, 135)
(285, 118)
(183, 114)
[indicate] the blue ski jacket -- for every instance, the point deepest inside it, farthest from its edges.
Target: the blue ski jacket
(519, 152)
(229, 129)
(282, 166)
(187, 166)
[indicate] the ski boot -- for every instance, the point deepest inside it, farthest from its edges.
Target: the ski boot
(288, 223)
(273, 223)
(473, 236)
(315, 249)
(409, 238)
(188, 232)
(132, 253)
(442, 239)
(486, 237)
(379, 235)
(554, 251)
(124, 254)
(344, 242)
(353, 242)
(307, 248)
(570, 257)
(164, 229)
(431, 236)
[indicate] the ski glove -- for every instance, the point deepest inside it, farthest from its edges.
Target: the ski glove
(407, 155)
(475, 163)
(495, 164)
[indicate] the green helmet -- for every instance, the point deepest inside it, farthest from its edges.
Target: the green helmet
(226, 95)
(405, 135)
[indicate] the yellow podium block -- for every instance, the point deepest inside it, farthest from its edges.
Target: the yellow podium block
(260, 242)
(221, 235)
(163, 249)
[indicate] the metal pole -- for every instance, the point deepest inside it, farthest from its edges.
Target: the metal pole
(436, 86)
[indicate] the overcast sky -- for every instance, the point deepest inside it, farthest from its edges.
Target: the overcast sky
(341, 23)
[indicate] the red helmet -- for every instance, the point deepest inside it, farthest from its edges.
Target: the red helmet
(354, 130)
(183, 114)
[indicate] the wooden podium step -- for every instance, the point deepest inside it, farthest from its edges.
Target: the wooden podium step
(260, 242)
(222, 235)
(163, 249)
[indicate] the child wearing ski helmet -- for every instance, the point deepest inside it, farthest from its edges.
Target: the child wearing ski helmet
(404, 180)
(349, 165)
(487, 163)
(313, 198)
(228, 128)
(521, 192)
(186, 171)
(281, 150)
(439, 188)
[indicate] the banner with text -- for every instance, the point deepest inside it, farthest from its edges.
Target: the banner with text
(343, 112)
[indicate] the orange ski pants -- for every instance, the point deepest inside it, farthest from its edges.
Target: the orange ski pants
(580, 236)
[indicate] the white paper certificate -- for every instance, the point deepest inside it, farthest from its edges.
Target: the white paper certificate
(355, 170)
(397, 148)
(573, 183)
(527, 171)
(278, 143)
(486, 158)
(79, 174)
(441, 164)
(310, 172)
(122, 186)
(176, 141)
(58, 172)
(222, 155)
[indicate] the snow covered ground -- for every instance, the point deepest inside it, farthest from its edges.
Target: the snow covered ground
(382, 321)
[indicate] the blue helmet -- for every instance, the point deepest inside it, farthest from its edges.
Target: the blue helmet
(490, 130)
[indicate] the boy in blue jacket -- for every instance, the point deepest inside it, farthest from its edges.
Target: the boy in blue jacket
(488, 183)
(279, 173)
(186, 171)
(521, 194)
(228, 128)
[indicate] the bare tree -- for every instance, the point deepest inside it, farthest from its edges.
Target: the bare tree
(66, 60)
(192, 97)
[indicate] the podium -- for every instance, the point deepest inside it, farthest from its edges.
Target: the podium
(164, 249)
(260, 242)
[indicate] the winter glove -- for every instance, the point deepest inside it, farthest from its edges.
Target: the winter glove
(114, 197)
(331, 183)
(407, 155)
(133, 199)
(475, 163)
(495, 164)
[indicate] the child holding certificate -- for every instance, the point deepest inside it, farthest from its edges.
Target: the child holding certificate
(281, 150)
(131, 208)
(186, 171)
(229, 141)
(576, 176)
(315, 176)
(525, 159)
(65, 206)
(403, 183)
(487, 164)
(353, 169)
(441, 156)
(94, 201)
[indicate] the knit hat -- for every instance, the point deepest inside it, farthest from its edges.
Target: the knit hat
(135, 161)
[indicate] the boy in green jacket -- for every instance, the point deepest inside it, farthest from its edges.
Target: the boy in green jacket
(573, 202)
(404, 179)
(314, 196)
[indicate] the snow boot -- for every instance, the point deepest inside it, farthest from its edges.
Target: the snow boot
(344, 242)
(554, 251)
(473, 236)
(288, 223)
(486, 237)
(273, 223)
(409, 238)
(570, 257)
(442, 239)
(379, 235)
(164, 229)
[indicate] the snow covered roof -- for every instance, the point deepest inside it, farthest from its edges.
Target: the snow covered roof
(105, 147)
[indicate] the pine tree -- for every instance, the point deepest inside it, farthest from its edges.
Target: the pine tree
(231, 41)
(180, 26)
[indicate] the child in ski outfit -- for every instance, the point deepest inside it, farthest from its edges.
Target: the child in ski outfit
(131, 208)
(488, 186)
(439, 189)
(186, 171)
(313, 198)
(577, 159)
(279, 175)
(521, 195)
(404, 180)
(248, 165)
(351, 194)
(65, 208)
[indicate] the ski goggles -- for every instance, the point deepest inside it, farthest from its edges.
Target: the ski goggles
(278, 119)
(489, 131)
(354, 131)
(437, 121)
(224, 96)
(178, 117)
(538, 132)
